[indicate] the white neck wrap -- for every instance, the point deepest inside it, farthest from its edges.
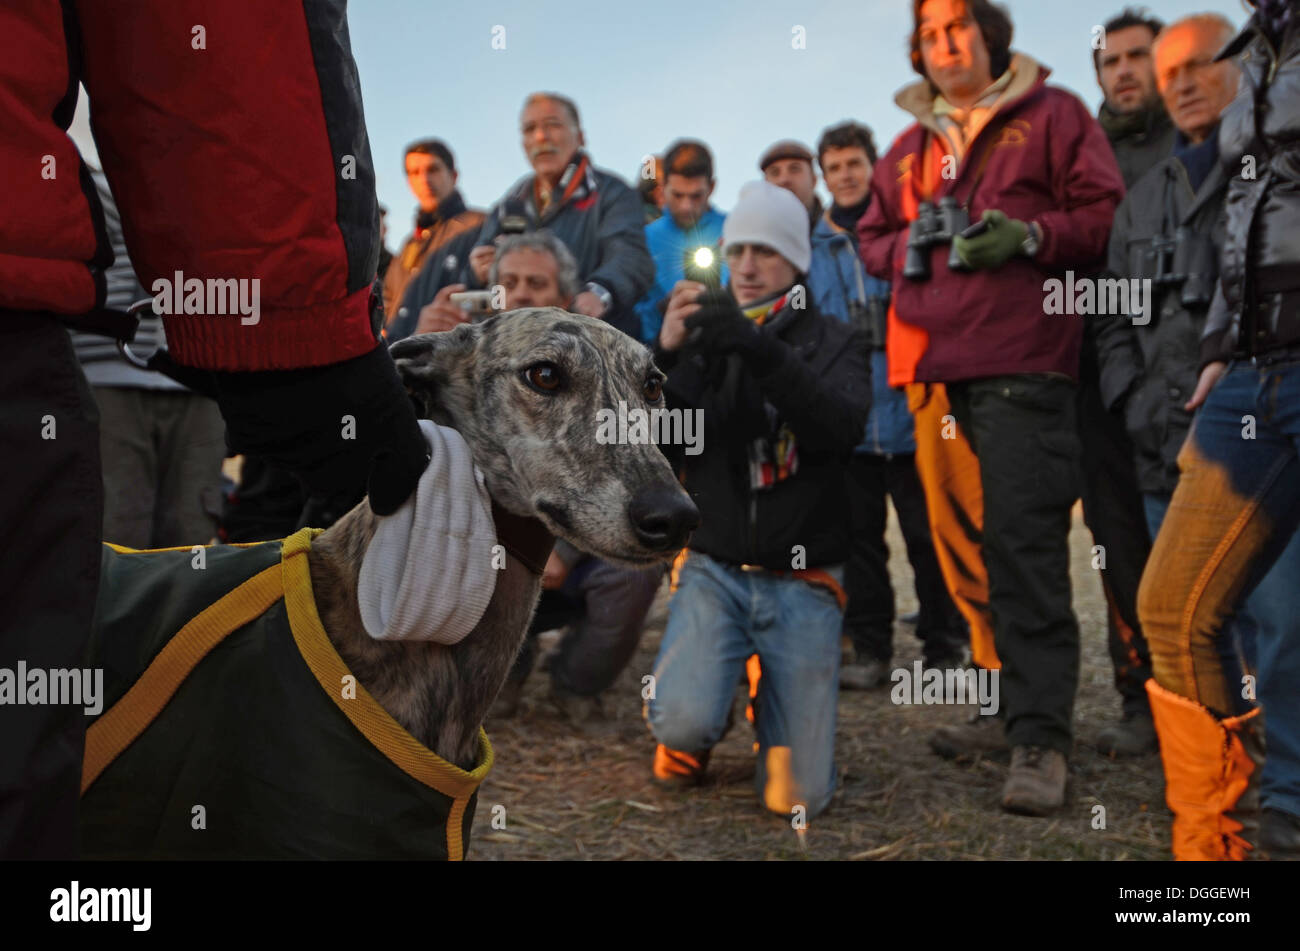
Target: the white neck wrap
(427, 574)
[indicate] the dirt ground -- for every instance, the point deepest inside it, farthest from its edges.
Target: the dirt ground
(584, 792)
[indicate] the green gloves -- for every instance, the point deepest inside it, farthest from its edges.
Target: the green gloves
(995, 246)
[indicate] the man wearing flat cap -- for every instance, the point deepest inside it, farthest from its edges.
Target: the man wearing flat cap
(789, 164)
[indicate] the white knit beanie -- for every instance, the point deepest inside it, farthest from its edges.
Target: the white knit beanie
(771, 215)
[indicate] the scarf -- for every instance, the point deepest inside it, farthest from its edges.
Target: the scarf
(428, 573)
(1121, 125)
(774, 456)
(1199, 160)
(576, 183)
(960, 126)
(848, 218)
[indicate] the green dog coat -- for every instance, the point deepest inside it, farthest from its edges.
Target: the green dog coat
(232, 728)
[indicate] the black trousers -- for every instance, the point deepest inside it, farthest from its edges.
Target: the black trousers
(604, 606)
(1112, 509)
(51, 511)
(869, 615)
(1024, 432)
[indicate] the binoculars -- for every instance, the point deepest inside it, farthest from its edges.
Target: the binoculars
(934, 226)
(869, 320)
(1188, 259)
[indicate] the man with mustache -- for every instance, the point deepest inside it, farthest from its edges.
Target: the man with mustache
(596, 214)
(1132, 114)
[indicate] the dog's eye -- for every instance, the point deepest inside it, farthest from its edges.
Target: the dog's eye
(654, 389)
(545, 377)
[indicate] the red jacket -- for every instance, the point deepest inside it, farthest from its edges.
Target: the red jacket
(246, 158)
(1046, 160)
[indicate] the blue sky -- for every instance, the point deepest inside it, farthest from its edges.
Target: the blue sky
(724, 71)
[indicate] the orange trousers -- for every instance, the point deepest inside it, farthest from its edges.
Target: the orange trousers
(954, 496)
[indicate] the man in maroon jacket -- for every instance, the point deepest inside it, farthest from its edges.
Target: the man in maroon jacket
(233, 139)
(1029, 165)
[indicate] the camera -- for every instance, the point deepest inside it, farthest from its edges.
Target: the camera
(474, 303)
(514, 217)
(703, 264)
(934, 226)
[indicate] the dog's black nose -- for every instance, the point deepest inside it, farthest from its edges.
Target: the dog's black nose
(663, 517)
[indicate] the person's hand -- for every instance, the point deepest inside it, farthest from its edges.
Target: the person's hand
(589, 304)
(682, 303)
(555, 572)
(343, 429)
(442, 314)
(480, 261)
(719, 326)
(1209, 376)
(995, 246)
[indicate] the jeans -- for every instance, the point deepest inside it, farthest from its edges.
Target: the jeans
(1232, 518)
(720, 615)
(1024, 432)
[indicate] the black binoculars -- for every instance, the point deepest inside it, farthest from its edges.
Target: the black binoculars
(934, 226)
(869, 320)
(1188, 259)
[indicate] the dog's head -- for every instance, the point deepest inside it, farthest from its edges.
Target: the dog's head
(532, 391)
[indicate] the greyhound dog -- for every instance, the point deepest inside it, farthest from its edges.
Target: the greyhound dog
(257, 731)
(540, 457)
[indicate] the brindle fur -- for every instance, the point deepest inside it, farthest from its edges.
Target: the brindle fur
(539, 456)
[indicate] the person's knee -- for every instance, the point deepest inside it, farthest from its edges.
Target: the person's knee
(681, 724)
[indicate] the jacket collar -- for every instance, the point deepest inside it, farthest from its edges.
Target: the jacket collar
(1027, 75)
(451, 206)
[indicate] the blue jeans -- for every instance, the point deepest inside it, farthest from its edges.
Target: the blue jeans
(1230, 534)
(721, 615)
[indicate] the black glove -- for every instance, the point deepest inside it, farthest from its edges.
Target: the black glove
(340, 428)
(719, 326)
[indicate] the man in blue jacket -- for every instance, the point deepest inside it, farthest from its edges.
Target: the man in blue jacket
(689, 222)
(883, 464)
(595, 213)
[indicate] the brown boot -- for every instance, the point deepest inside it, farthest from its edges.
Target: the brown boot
(1036, 785)
(673, 768)
(1211, 776)
(978, 736)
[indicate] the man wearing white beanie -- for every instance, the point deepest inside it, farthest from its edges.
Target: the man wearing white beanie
(784, 394)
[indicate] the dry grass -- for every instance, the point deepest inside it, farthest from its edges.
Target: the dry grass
(585, 793)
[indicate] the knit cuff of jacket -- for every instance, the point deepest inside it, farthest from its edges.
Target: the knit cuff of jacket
(428, 572)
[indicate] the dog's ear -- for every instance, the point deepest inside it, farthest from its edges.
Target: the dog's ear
(437, 370)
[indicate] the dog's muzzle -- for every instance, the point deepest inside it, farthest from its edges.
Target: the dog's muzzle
(663, 517)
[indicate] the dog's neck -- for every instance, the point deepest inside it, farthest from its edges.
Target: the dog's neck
(438, 693)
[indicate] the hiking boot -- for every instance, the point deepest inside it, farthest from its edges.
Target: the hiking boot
(1036, 785)
(978, 736)
(1132, 736)
(864, 674)
(1279, 836)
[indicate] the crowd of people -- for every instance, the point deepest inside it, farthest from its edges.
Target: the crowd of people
(897, 345)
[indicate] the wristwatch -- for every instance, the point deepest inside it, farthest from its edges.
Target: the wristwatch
(606, 298)
(1033, 240)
